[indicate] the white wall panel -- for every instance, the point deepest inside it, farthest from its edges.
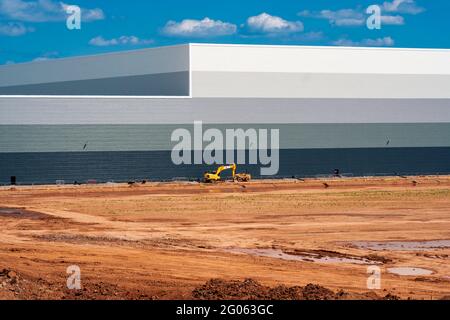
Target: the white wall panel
(304, 59)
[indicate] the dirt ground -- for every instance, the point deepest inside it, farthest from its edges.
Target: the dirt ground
(272, 239)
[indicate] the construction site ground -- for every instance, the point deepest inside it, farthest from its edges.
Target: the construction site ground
(266, 239)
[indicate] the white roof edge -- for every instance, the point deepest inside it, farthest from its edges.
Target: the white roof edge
(316, 47)
(90, 97)
(191, 44)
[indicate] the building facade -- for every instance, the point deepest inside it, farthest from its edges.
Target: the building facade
(364, 111)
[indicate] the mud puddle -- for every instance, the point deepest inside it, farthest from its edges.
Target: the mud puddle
(305, 256)
(410, 271)
(402, 245)
(22, 213)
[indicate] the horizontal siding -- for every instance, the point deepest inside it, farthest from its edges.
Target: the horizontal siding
(43, 168)
(169, 84)
(318, 85)
(72, 138)
(215, 110)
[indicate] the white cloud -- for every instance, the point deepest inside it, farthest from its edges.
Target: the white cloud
(344, 42)
(402, 6)
(310, 36)
(43, 11)
(87, 15)
(47, 56)
(378, 42)
(342, 17)
(14, 29)
(392, 20)
(266, 23)
(41, 59)
(123, 40)
(199, 28)
(357, 17)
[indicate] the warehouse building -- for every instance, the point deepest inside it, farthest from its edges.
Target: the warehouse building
(110, 117)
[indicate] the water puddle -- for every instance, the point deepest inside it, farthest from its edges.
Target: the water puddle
(410, 271)
(403, 245)
(21, 213)
(303, 256)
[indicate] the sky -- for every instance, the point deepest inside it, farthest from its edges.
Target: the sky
(37, 30)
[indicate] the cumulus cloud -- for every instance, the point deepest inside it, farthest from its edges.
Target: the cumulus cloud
(392, 20)
(344, 42)
(123, 40)
(14, 29)
(266, 23)
(199, 28)
(402, 6)
(342, 17)
(358, 17)
(43, 11)
(378, 42)
(310, 36)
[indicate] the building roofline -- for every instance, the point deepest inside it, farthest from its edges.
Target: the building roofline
(316, 47)
(229, 45)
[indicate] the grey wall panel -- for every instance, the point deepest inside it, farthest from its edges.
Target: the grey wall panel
(176, 84)
(318, 85)
(43, 168)
(215, 110)
(117, 64)
(83, 138)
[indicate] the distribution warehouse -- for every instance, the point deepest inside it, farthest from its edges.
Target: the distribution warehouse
(111, 117)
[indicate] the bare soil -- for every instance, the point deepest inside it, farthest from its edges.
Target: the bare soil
(173, 240)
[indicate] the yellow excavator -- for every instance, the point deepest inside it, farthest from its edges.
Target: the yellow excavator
(215, 176)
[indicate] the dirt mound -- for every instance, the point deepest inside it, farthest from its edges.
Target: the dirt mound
(316, 292)
(283, 292)
(17, 286)
(218, 289)
(9, 275)
(391, 296)
(9, 282)
(249, 289)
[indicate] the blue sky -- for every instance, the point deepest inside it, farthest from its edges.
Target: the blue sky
(36, 30)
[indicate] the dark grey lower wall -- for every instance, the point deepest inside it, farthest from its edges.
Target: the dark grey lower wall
(43, 168)
(163, 84)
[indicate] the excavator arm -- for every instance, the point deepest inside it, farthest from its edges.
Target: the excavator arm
(222, 168)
